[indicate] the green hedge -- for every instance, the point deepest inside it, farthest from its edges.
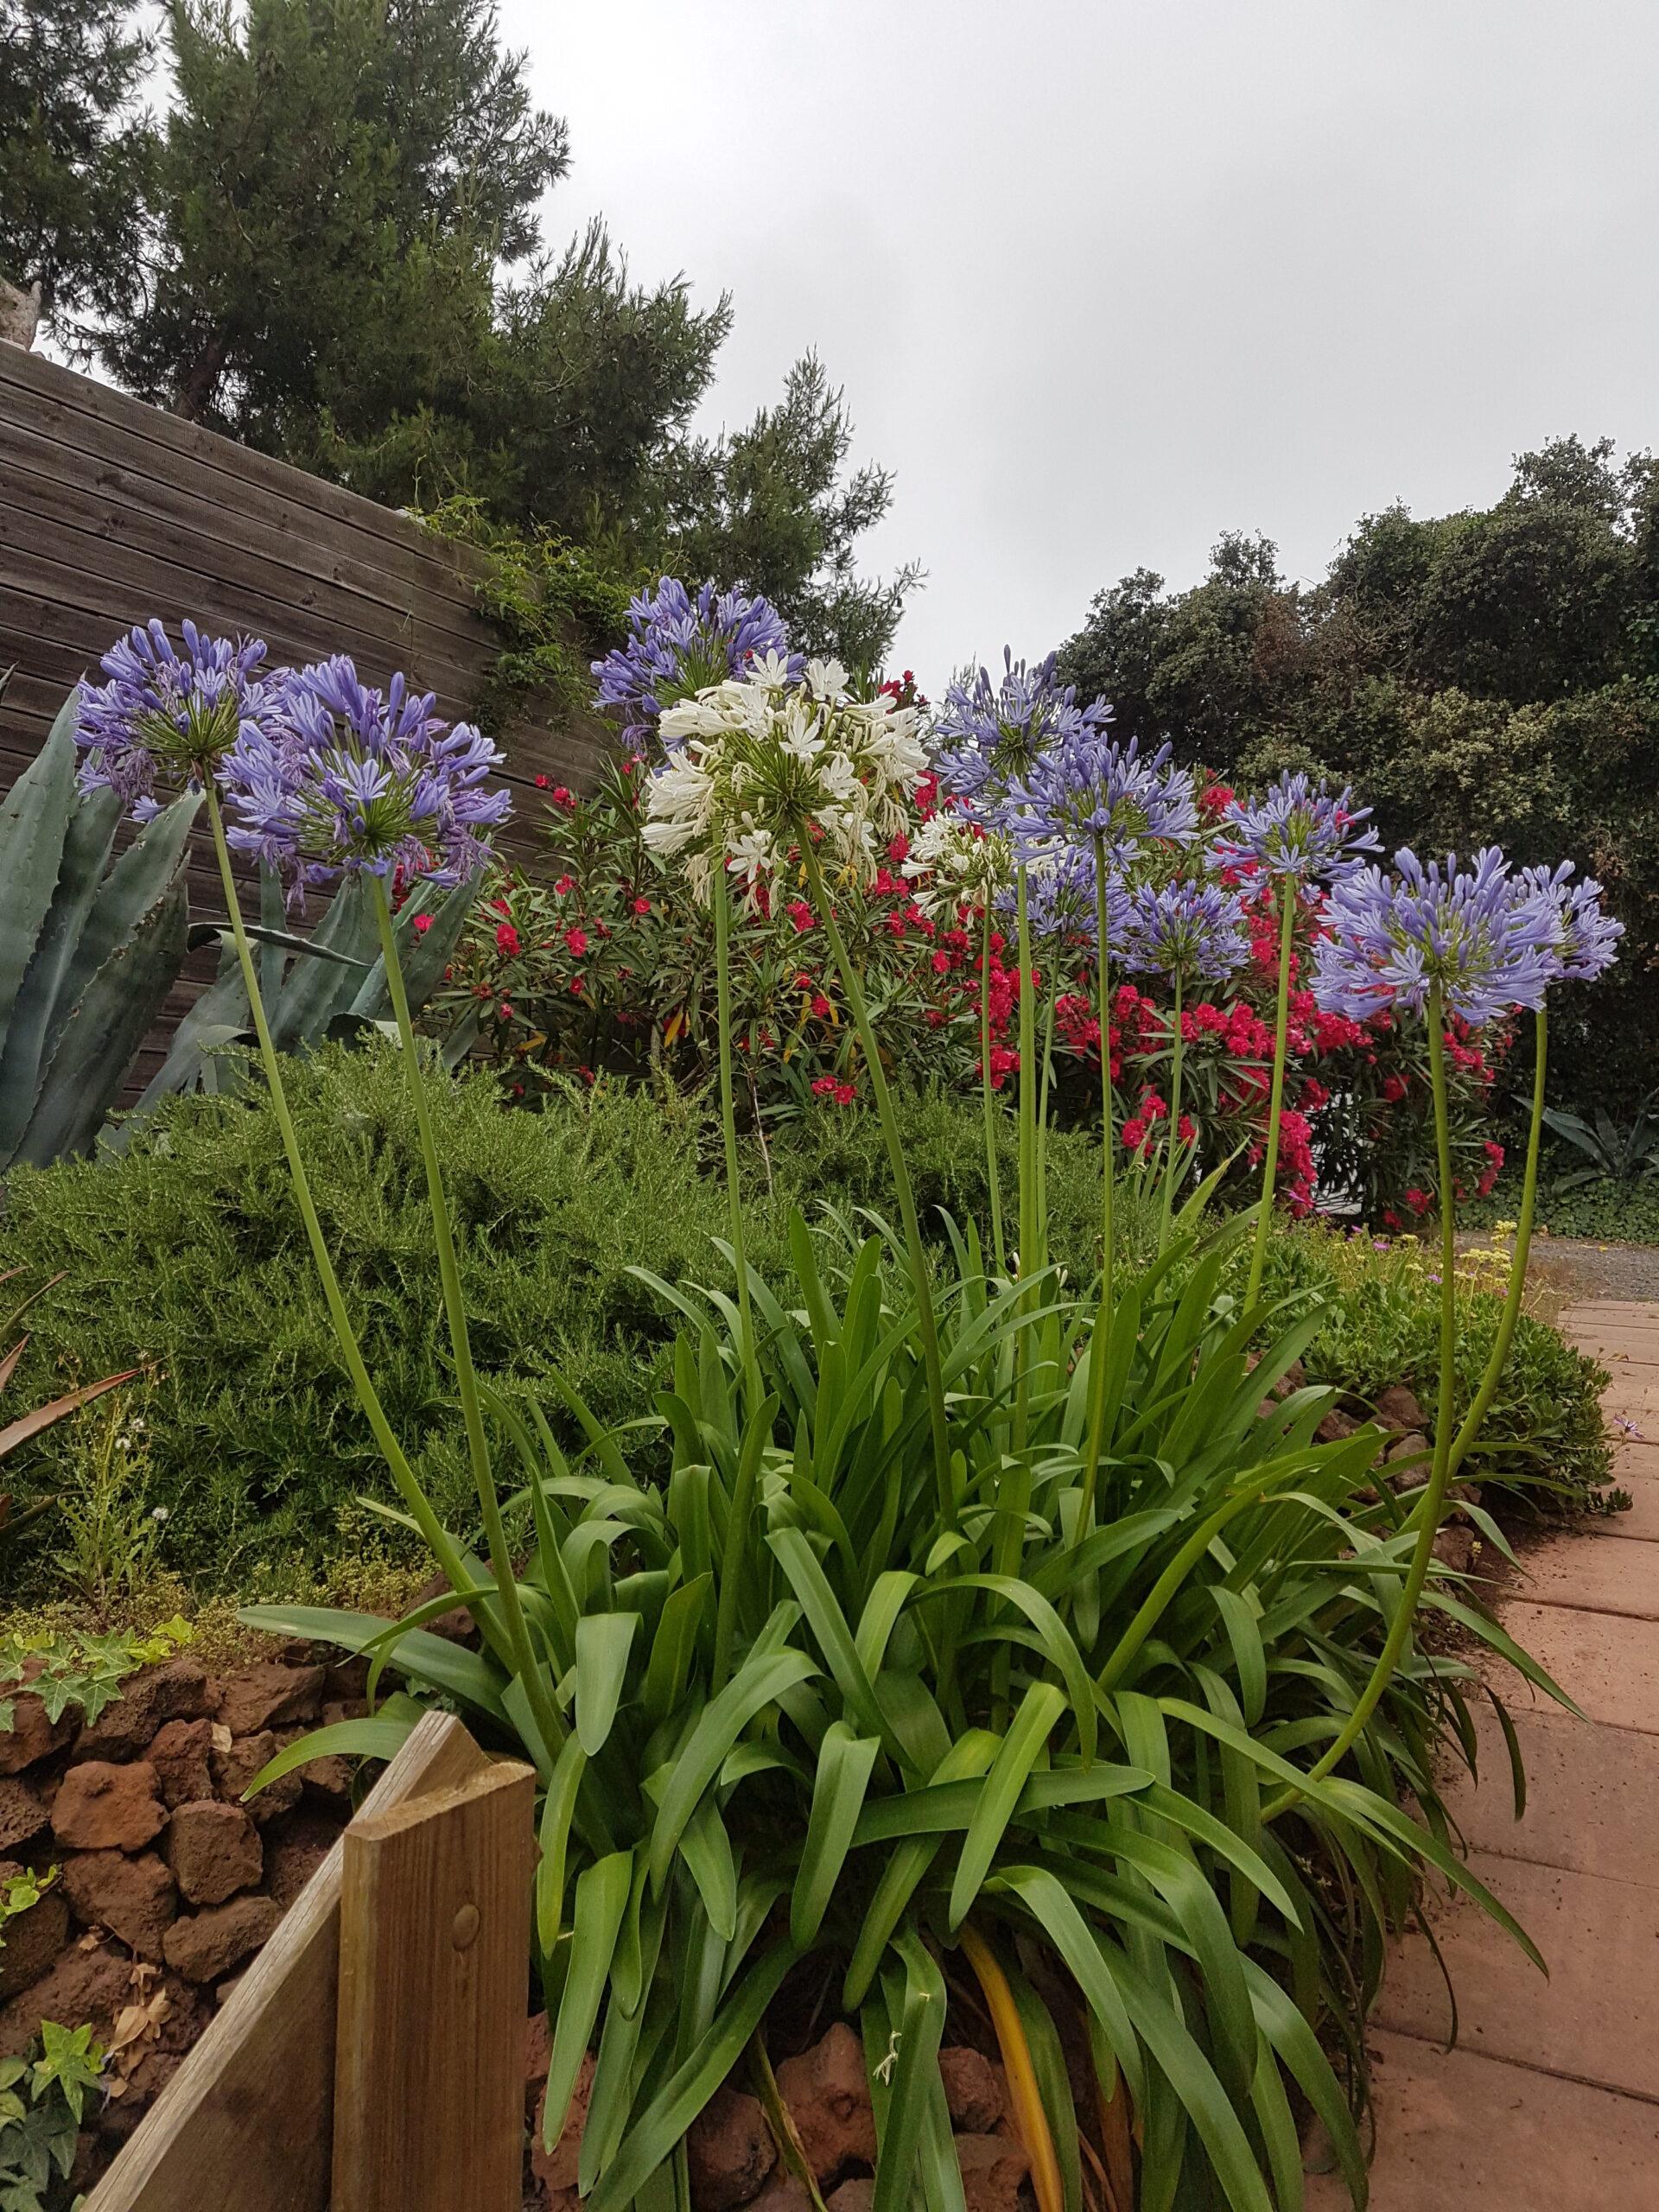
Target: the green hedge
(187, 1252)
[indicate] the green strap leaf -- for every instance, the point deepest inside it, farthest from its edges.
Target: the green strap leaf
(601, 1899)
(758, 1683)
(603, 1641)
(845, 1764)
(1022, 1746)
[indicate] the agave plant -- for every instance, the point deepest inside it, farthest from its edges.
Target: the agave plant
(327, 987)
(1616, 1155)
(90, 946)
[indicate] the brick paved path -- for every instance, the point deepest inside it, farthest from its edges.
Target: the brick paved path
(1550, 2101)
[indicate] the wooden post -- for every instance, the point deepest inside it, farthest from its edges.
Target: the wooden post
(433, 1990)
(247, 2124)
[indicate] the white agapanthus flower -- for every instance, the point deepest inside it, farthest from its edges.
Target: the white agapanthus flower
(756, 765)
(965, 865)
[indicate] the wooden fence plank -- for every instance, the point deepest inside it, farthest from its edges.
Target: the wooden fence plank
(247, 2124)
(120, 416)
(204, 541)
(433, 1988)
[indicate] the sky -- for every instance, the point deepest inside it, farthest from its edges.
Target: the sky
(1103, 278)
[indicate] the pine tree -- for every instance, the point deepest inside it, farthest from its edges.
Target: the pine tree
(75, 151)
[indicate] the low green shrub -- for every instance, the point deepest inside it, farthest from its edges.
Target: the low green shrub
(1603, 1211)
(1381, 1325)
(188, 1255)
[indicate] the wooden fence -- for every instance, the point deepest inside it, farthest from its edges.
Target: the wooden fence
(371, 2059)
(111, 511)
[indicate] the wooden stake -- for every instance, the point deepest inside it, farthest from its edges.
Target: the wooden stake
(247, 2124)
(433, 1990)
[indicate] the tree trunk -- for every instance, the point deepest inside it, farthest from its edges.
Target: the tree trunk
(196, 386)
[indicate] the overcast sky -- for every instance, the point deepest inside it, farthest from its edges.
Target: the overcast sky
(1105, 278)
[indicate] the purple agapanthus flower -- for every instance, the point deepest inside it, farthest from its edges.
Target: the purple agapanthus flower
(1060, 897)
(165, 718)
(1297, 829)
(1087, 786)
(1587, 938)
(989, 736)
(343, 779)
(1393, 937)
(678, 645)
(1186, 929)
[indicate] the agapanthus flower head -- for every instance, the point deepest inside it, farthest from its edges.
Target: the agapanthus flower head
(1185, 928)
(1298, 829)
(990, 735)
(165, 718)
(1087, 786)
(341, 777)
(1060, 897)
(1473, 932)
(678, 645)
(760, 766)
(1587, 938)
(957, 862)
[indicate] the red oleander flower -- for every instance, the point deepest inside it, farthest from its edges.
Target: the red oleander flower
(576, 939)
(421, 923)
(562, 798)
(642, 905)
(506, 940)
(1418, 1201)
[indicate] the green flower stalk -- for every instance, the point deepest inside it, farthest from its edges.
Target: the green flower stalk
(1286, 894)
(988, 1096)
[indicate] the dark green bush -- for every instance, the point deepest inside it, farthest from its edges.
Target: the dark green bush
(188, 1253)
(1381, 1325)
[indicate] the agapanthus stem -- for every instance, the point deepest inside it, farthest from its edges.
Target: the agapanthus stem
(1103, 993)
(1027, 1261)
(720, 893)
(1433, 1503)
(927, 1318)
(1098, 1342)
(988, 1096)
(442, 1545)
(742, 1505)
(1276, 1100)
(529, 1668)
(1178, 1045)
(1515, 1293)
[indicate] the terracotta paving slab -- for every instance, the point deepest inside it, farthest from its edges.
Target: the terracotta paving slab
(1636, 1459)
(1607, 1661)
(1592, 1797)
(1595, 2019)
(1459, 2133)
(1601, 1578)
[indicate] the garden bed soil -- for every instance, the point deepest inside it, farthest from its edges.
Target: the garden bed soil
(166, 1885)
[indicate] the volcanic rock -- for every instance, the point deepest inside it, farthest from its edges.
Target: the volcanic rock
(134, 1898)
(103, 1807)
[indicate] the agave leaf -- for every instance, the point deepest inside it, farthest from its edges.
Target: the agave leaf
(34, 819)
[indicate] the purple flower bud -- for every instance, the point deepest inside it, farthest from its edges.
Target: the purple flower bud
(1486, 939)
(165, 719)
(1296, 830)
(678, 646)
(337, 778)
(990, 736)
(1586, 939)
(1186, 929)
(1086, 786)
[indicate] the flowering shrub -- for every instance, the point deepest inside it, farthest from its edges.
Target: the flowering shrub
(599, 961)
